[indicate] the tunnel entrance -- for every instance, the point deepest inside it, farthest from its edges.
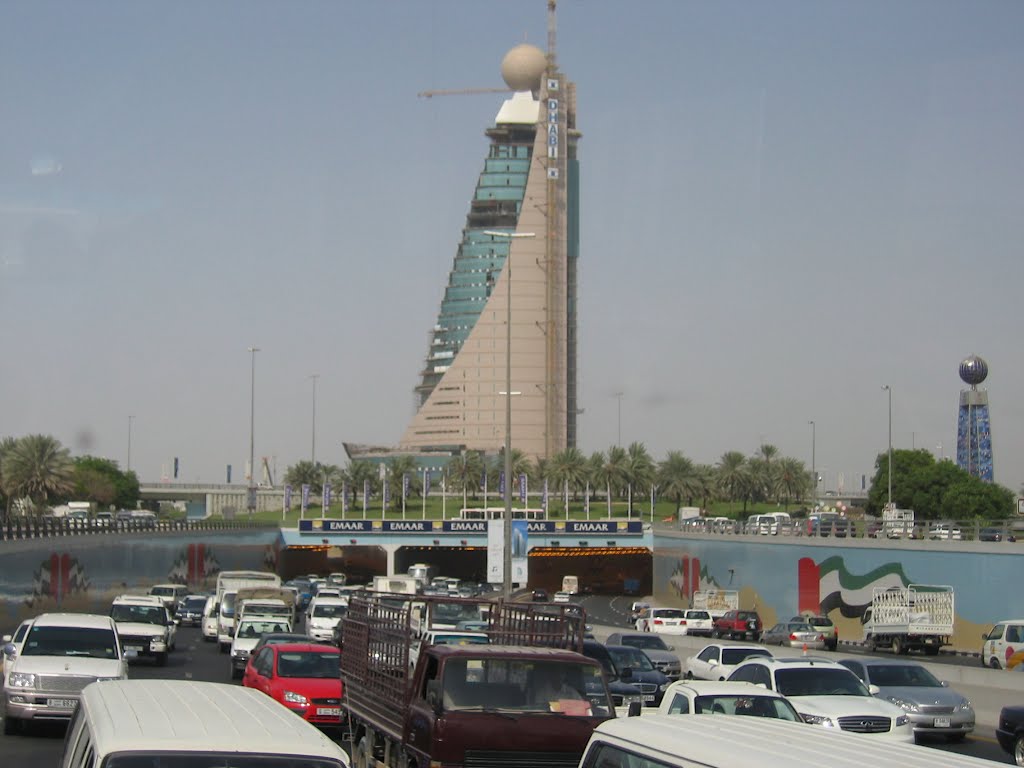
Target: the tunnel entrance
(466, 563)
(359, 563)
(601, 570)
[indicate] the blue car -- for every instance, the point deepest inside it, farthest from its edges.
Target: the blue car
(635, 668)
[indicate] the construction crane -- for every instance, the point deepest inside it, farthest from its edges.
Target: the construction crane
(461, 92)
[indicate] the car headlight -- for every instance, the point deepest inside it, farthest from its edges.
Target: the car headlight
(664, 686)
(965, 705)
(909, 706)
(21, 680)
(824, 722)
(902, 720)
(295, 698)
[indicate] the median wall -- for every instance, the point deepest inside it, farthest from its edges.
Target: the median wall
(85, 572)
(780, 577)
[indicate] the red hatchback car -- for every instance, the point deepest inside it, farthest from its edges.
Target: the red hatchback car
(304, 677)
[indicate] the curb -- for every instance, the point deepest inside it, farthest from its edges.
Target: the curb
(942, 651)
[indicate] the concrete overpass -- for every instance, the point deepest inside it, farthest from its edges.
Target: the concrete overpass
(211, 499)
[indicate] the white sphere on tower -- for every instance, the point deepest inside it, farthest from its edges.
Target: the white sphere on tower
(523, 67)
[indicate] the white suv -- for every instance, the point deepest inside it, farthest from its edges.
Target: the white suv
(325, 614)
(61, 654)
(145, 626)
(827, 694)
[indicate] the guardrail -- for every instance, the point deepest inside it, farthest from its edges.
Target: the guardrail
(923, 530)
(20, 529)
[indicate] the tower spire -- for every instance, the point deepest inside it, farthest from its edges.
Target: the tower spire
(552, 33)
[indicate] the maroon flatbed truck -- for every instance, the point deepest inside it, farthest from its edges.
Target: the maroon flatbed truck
(469, 706)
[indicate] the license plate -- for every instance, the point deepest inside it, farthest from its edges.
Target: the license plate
(648, 697)
(942, 722)
(329, 711)
(135, 648)
(62, 703)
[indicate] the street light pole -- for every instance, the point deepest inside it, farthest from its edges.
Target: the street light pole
(130, 420)
(251, 500)
(888, 389)
(814, 468)
(314, 377)
(618, 434)
(507, 517)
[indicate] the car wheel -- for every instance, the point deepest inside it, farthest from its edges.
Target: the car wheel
(1018, 750)
(994, 663)
(361, 758)
(236, 673)
(161, 659)
(10, 725)
(897, 646)
(689, 675)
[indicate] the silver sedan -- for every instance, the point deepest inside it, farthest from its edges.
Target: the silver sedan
(795, 634)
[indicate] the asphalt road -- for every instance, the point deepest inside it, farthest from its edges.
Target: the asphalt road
(41, 746)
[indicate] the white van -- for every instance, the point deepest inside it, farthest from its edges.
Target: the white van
(715, 741)
(186, 724)
(1003, 642)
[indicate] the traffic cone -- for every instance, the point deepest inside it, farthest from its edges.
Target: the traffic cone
(805, 649)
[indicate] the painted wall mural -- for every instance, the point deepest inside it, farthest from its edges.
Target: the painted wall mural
(780, 580)
(87, 573)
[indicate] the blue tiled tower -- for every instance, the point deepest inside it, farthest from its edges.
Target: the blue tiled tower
(973, 426)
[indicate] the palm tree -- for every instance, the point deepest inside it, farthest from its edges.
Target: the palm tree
(398, 468)
(37, 467)
(768, 452)
(313, 475)
(464, 472)
(706, 483)
(357, 473)
(678, 478)
(794, 479)
(640, 470)
(613, 472)
(733, 477)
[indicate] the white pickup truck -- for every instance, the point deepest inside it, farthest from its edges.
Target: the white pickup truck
(917, 617)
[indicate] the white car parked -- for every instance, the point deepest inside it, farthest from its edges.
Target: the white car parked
(718, 660)
(829, 695)
(699, 622)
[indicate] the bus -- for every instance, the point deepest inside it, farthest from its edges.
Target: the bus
(497, 513)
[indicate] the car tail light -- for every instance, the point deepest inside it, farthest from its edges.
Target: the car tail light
(657, 621)
(822, 638)
(792, 636)
(682, 622)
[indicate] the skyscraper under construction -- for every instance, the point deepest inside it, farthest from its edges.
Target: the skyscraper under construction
(517, 259)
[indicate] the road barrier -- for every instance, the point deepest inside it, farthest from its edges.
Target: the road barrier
(49, 527)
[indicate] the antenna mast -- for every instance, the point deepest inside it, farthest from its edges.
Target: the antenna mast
(552, 32)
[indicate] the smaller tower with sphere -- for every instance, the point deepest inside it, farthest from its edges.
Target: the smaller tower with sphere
(973, 426)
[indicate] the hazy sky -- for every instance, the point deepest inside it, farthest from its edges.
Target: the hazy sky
(785, 206)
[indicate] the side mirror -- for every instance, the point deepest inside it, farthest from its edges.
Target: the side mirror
(944, 683)
(9, 650)
(670, 647)
(874, 690)
(634, 709)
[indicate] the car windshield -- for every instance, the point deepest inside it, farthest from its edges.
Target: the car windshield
(249, 629)
(526, 686)
(162, 591)
(195, 603)
(905, 675)
(668, 613)
(328, 611)
(227, 604)
(736, 655)
(758, 706)
(142, 614)
(631, 657)
(95, 642)
(454, 639)
(701, 615)
(818, 681)
(647, 642)
(453, 613)
(797, 626)
(320, 664)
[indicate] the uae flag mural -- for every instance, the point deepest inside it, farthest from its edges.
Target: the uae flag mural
(828, 585)
(194, 564)
(58, 577)
(688, 577)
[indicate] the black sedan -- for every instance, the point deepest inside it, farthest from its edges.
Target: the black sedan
(1011, 732)
(995, 534)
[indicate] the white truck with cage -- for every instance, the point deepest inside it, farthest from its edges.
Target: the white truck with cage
(917, 617)
(716, 602)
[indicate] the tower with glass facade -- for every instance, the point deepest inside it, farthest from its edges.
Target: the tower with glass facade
(974, 426)
(528, 187)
